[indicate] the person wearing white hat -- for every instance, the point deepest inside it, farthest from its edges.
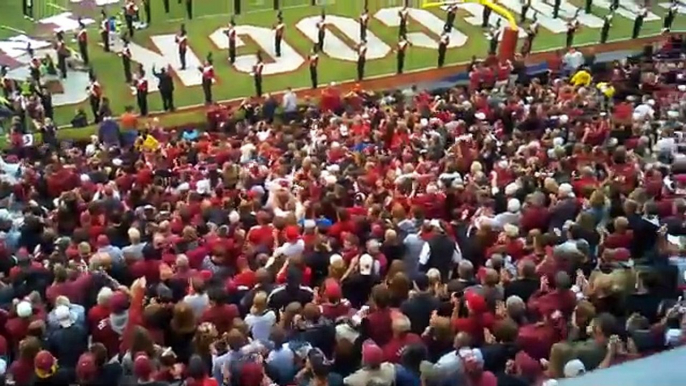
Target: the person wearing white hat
(24, 309)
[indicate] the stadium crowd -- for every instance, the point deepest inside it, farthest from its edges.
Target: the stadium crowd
(514, 231)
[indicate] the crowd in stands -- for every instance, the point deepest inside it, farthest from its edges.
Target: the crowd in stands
(514, 231)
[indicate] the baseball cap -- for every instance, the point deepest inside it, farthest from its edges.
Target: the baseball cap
(24, 309)
(119, 302)
(332, 289)
(142, 366)
(44, 363)
(63, 316)
(372, 355)
(366, 263)
(86, 368)
(574, 368)
(292, 233)
(475, 302)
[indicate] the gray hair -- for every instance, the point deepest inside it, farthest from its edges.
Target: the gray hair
(104, 295)
(465, 269)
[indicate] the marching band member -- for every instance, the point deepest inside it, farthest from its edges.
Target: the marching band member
(94, 96)
(313, 63)
(231, 34)
(442, 48)
(404, 15)
(82, 39)
(130, 12)
(278, 37)
(207, 71)
(257, 74)
(142, 92)
(364, 23)
(402, 47)
(321, 32)
(126, 61)
(361, 59)
(572, 27)
(182, 41)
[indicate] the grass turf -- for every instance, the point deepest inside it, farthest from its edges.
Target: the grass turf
(213, 14)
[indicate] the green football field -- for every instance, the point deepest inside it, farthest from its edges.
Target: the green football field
(213, 14)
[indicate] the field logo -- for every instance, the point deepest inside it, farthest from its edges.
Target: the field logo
(334, 46)
(290, 59)
(389, 17)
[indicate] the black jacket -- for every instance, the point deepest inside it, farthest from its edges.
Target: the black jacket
(165, 81)
(419, 308)
(282, 296)
(67, 344)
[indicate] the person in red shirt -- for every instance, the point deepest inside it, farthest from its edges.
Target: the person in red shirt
(402, 337)
(560, 298)
(219, 313)
(378, 322)
(101, 310)
(331, 302)
(478, 317)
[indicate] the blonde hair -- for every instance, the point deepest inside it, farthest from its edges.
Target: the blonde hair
(259, 302)
(560, 354)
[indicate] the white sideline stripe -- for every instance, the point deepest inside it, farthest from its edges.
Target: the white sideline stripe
(276, 93)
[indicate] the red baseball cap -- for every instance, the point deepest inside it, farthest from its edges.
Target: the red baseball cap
(332, 289)
(292, 233)
(86, 368)
(475, 302)
(372, 355)
(44, 361)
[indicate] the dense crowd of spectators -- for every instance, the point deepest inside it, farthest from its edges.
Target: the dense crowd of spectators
(514, 231)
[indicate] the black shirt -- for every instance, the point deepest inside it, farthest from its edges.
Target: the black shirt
(419, 308)
(523, 288)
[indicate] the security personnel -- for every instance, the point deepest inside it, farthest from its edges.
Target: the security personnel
(572, 27)
(257, 74)
(82, 40)
(486, 16)
(556, 8)
(401, 50)
(105, 31)
(165, 84)
(442, 48)
(313, 62)
(588, 6)
(278, 34)
(321, 32)
(404, 15)
(142, 93)
(207, 71)
(364, 23)
(94, 96)
(231, 34)
(166, 6)
(148, 12)
(638, 22)
(189, 8)
(361, 59)
(670, 16)
(450, 18)
(130, 11)
(182, 42)
(126, 61)
(605, 30)
(526, 5)
(62, 55)
(493, 37)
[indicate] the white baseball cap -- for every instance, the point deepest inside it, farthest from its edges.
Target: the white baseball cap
(366, 264)
(24, 309)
